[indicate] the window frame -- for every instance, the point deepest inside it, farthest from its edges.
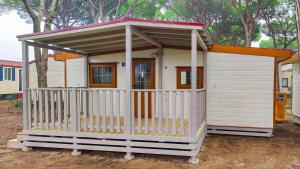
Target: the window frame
(287, 83)
(114, 75)
(200, 71)
(6, 72)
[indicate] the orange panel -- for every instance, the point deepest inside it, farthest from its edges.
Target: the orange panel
(65, 56)
(282, 53)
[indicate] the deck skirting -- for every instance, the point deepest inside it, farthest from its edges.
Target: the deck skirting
(241, 131)
(133, 144)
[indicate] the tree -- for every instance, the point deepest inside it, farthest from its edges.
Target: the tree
(280, 24)
(103, 10)
(39, 11)
(71, 14)
(222, 21)
(250, 12)
(297, 5)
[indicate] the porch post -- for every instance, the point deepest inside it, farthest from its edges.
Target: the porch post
(127, 117)
(25, 84)
(194, 83)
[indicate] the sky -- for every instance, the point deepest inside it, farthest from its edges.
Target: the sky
(11, 26)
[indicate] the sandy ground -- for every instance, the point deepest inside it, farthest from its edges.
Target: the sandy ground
(219, 152)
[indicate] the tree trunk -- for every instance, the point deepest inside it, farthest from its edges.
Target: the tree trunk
(248, 37)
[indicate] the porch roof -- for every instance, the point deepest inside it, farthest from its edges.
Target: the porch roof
(109, 37)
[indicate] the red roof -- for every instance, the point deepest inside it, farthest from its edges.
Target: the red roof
(8, 63)
(114, 22)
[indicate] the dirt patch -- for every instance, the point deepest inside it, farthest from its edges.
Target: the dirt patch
(10, 121)
(219, 152)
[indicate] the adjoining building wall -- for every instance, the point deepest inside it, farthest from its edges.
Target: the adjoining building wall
(296, 90)
(240, 90)
(55, 74)
(10, 86)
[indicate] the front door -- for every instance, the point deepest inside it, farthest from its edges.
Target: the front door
(143, 77)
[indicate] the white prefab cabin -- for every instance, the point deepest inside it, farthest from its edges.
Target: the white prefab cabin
(296, 92)
(10, 77)
(148, 87)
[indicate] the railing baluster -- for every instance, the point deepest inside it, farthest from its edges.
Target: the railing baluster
(111, 111)
(122, 107)
(173, 96)
(118, 93)
(52, 109)
(29, 109)
(65, 110)
(104, 111)
(35, 108)
(167, 106)
(132, 114)
(40, 114)
(47, 108)
(182, 110)
(91, 116)
(189, 110)
(146, 112)
(160, 103)
(139, 102)
(59, 108)
(85, 109)
(154, 97)
(97, 109)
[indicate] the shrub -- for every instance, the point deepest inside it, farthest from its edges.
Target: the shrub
(17, 103)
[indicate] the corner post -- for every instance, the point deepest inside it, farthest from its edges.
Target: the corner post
(25, 84)
(194, 84)
(194, 99)
(128, 120)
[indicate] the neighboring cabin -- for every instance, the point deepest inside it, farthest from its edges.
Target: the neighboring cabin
(10, 77)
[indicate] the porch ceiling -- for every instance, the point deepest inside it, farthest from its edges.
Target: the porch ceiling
(110, 38)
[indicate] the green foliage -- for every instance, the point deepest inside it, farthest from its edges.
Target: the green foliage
(280, 25)
(223, 20)
(17, 103)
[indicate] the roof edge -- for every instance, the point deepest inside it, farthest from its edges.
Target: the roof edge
(269, 52)
(110, 23)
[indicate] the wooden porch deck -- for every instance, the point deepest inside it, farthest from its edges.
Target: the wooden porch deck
(99, 126)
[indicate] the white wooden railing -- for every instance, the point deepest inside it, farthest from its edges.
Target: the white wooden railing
(153, 112)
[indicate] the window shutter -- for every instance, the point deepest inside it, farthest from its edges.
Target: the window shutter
(13, 74)
(1, 73)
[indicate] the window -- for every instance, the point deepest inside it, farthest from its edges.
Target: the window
(183, 77)
(103, 75)
(7, 73)
(285, 82)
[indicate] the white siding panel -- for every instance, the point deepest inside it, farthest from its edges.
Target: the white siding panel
(55, 74)
(77, 72)
(296, 90)
(240, 90)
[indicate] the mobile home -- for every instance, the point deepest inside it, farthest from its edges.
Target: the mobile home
(148, 87)
(10, 77)
(294, 60)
